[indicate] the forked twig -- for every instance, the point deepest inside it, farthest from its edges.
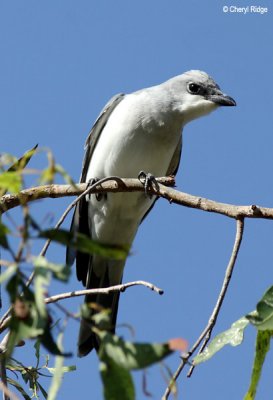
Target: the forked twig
(205, 335)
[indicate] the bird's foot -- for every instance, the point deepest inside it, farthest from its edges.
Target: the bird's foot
(99, 196)
(149, 181)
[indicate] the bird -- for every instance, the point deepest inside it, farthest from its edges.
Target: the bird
(140, 131)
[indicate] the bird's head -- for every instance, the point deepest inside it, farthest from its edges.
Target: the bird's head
(196, 94)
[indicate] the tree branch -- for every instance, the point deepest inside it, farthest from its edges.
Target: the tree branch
(112, 184)
(115, 184)
(213, 318)
(116, 288)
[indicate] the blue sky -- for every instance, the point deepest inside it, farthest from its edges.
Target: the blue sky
(60, 63)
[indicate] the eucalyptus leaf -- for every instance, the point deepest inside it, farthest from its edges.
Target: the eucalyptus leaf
(59, 271)
(8, 272)
(49, 343)
(44, 393)
(262, 348)
(116, 380)
(37, 346)
(66, 368)
(19, 388)
(130, 355)
(262, 317)
(233, 336)
(22, 162)
(57, 377)
(10, 181)
(83, 243)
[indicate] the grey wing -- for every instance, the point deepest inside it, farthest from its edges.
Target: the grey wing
(175, 161)
(80, 217)
(172, 169)
(96, 130)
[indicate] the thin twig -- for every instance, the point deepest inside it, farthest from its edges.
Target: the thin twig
(3, 373)
(116, 288)
(88, 189)
(213, 318)
(9, 395)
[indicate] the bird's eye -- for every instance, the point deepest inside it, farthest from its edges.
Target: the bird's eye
(194, 88)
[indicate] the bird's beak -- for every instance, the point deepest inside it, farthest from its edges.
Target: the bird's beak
(221, 99)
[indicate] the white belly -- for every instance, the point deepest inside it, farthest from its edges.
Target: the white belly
(123, 152)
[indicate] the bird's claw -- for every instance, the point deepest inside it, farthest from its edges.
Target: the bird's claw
(148, 180)
(99, 196)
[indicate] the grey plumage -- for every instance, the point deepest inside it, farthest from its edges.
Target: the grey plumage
(139, 131)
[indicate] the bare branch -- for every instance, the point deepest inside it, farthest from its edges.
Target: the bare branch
(116, 288)
(77, 293)
(111, 184)
(213, 318)
(115, 184)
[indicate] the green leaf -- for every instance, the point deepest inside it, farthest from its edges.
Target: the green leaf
(116, 380)
(19, 388)
(49, 343)
(3, 236)
(233, 336)
(262, 317)
(84, 244)
(66, 368)
(24, 160)
(59, 169)
(27, 320)
(41, 281)
(37, 346)
(57, 377)
(20, 330)
(118, 357)
(42, 390)
(10, 181)
(131, 355)
(262, 348)
(47, 175)
(59, 271)
(8, 272)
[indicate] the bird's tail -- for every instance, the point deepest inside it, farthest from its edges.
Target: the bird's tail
(101, 273)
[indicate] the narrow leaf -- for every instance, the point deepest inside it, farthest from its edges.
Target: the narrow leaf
(49, 343)
(41, 281)
(116, 381)
(14, 179)
(262, 317)
(233, 336)
(84, 244)
(24, 160)
(37, 346)
(66, 368)
(262, 347)
(59, 271)
(19, 388)
(57, 377)
(42, 390)
(132, 355)
(10, 181)
(8, 272)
